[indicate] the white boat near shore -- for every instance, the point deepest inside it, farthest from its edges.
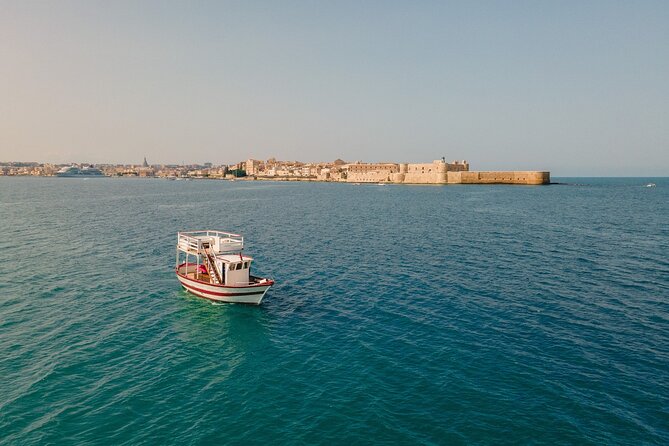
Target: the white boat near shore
(220, 272)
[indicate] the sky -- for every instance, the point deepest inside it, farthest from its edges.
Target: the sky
(575, 87)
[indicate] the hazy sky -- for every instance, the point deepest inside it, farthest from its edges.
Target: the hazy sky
(578, 88)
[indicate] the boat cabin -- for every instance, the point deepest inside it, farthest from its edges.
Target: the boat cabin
(235, 269)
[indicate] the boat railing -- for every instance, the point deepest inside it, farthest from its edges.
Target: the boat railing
(194, 241)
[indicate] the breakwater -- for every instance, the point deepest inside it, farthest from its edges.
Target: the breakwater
(532, 177)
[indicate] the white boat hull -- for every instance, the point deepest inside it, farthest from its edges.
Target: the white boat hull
(251, 294)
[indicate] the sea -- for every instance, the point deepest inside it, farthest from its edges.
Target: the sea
(417, 315)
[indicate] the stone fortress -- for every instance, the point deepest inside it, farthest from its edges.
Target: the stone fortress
(438, 172)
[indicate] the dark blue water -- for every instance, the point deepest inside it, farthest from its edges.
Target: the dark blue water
(406, 315)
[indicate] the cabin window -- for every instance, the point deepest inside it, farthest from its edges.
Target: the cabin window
(246, 265)
(239, 266)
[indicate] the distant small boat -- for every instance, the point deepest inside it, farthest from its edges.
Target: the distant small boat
(650, 185)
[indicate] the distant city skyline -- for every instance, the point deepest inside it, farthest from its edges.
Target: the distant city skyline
(577, 88)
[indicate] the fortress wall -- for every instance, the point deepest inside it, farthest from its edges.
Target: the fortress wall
(454, 177)
(539, 177)
(371, 173)
(499, 177)
(458, 166)
(421, 168)
(369, 177)
(424, 178)
(423, 173)
(397, 177)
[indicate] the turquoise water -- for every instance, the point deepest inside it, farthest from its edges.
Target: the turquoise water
(405, 315)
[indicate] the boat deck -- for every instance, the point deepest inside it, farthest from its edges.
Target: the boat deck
(199, 276)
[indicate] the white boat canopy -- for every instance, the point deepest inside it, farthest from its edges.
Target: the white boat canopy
(216, 242)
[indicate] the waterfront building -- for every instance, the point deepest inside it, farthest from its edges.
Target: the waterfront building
(253, 167)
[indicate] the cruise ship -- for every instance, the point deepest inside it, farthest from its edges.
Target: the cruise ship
(74, 171)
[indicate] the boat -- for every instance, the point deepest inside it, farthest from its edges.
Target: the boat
(74, 171)
(651, 185)
(216, 269)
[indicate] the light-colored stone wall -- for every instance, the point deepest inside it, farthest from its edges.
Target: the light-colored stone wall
(371, 173)
(499, 177)
(423, 173)
(372, 167)
(369, 177)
